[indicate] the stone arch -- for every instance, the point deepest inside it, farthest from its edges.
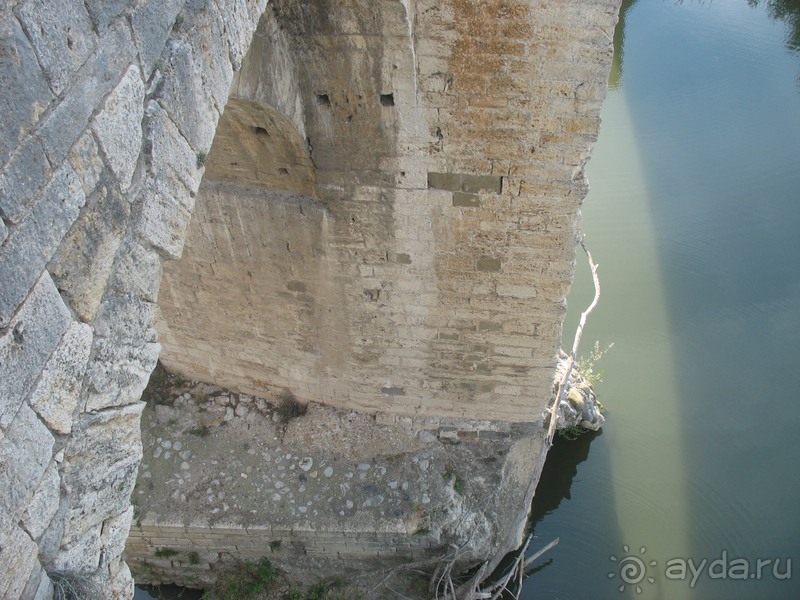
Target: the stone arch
(256, 146)
(442, 230)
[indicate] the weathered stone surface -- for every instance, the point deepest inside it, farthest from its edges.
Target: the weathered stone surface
(119, 126)
(114, 533)
(38, 585)
(94, 80)
(30, 247)
(25, 453)
(241, 18)
(62, 36)
(22, 179)
(184, 93)
(118, 373)
(85, 159)
(85, 259)
(100, 464)
(138, 269)
(152, 22)
(50, 541)
(24, 93)
(32, 336)
(17, 561)
(120, 583)
(45, 590)
(167, 200)
(172, 156)
(103, 12)
(55, 396)
(80, 554)
(124, 317)
(3, 231)
(44, 504)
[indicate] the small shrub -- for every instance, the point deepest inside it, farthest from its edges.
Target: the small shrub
(194, 558)
(458, 486)
(165, 553)
(202, 158)
(146, 567)
(201, 431)
(245, 582)
(289, 407)
(178, 22)
(586, 365)
(571, 433)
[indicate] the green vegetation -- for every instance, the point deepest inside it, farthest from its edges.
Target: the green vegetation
(201, 431)
(571, 433)
(289, 407)
(260, 582)
(165, 553)
(194, 558)
(202, 158)
(586, 365)
(458, 486)
(245, 582)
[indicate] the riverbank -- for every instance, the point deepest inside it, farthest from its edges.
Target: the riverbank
(321, 492)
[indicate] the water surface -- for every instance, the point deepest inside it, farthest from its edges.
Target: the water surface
(693, 215)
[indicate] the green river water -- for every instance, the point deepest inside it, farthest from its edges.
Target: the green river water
(694, 218)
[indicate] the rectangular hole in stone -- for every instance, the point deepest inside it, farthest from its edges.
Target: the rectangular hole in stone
(323, 100)
(387, 99)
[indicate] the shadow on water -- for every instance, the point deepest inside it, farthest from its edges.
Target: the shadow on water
(715, 107)
(165, 592)
(558, 473)
(582, 526)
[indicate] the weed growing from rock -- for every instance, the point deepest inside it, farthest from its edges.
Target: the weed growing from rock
(201, 431)
(289, 407)
(586, 365)
(572, 433)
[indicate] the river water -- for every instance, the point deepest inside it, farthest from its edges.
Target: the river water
(694, 218)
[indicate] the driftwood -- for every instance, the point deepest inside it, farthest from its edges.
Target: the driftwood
(471, 590)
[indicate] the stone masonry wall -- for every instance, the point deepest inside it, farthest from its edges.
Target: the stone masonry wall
(106, 107)
(109, 109)
(423, 271)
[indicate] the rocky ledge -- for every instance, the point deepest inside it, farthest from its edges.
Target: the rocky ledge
(320, 491)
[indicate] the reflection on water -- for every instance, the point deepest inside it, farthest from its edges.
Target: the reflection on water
(693, 216)
(787, 11)
(165, 592)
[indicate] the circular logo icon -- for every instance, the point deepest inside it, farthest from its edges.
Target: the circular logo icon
(632, 570)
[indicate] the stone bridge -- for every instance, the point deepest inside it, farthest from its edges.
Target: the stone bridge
(374, 204)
